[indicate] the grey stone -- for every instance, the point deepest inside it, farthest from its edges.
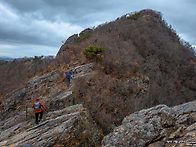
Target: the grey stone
(83, 68)
(154, 126)
(55, 127)
(27, 145)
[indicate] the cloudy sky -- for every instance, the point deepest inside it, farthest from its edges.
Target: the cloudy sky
(38, 27)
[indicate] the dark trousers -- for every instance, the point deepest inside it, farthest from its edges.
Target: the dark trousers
(38, 115)
(68, 82)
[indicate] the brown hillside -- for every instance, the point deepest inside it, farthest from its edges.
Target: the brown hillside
(142, 47)
(144, 64)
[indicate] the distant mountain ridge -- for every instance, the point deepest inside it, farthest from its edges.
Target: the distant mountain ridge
(6, 58)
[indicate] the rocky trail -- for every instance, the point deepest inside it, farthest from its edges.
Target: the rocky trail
(67, 125)
(70, 124)
(64, 123)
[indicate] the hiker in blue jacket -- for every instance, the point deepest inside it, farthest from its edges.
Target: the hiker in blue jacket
(69, 77)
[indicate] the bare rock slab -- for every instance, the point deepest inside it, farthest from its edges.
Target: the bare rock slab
(72, 126)
(159, 125)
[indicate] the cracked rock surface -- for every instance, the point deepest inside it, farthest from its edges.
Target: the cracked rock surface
(66, 125)
(156, 126)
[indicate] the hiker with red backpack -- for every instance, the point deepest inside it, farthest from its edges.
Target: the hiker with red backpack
(38, 110)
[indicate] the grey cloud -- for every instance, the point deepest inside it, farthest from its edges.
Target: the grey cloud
(48, 22)
(71, 11)
(182, 20)
(24, 5)
(31, 28)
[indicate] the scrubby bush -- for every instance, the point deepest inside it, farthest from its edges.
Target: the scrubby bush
(3, 62)
(18, 72)
(93, 51)
(36, 58)
(134, 16)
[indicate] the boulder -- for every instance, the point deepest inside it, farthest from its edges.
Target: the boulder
(61, 101)
(83, 68)
(156, 126)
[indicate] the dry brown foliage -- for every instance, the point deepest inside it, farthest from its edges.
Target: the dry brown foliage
(147, 46)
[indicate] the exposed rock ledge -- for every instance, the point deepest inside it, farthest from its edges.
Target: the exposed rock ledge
(69, 126)
(156, 127)
(159, 126)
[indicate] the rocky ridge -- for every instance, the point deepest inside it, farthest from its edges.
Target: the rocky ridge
(65, 123)
(70, 124)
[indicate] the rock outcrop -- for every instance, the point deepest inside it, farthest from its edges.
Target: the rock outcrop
(46, 85)
(156, 126)
(66, 123)
(39, 84)
(70, 126)
(82, 69)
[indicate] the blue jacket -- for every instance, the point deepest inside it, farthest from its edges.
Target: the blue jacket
(68, 76)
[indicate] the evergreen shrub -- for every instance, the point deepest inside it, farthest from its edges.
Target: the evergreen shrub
(134, 16)
(93, 51)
